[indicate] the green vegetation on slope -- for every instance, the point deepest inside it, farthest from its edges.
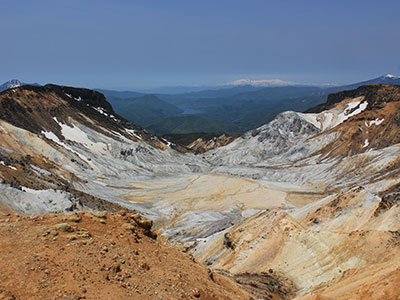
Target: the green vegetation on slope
(191, 124)
(143, 110)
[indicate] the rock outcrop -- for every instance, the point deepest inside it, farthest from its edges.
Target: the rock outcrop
(202, 145)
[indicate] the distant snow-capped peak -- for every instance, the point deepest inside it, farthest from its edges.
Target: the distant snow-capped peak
(13, 83)
(391, 76)
(263, 82)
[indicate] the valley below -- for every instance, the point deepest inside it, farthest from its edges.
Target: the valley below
(305, 207)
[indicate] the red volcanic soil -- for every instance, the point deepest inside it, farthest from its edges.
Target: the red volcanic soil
(99, 255)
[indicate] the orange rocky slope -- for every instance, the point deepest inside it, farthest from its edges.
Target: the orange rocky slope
(99, 255)
(202, 145)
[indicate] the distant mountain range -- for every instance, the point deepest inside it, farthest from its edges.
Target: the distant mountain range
(233, 108)
(191, 124)
(262, 83)
(385, 79)
(145, 109)
(226, 85)
(247, 106)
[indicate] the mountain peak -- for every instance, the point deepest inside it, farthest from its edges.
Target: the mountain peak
(14, 83)
(391, 76)
(262, 82)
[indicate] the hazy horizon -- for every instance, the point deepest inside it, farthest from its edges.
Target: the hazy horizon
(130, 45)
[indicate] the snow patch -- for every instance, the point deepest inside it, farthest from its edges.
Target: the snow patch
(51, 136)
(40, 171)
(70, 96)
(391, 76)
(374, 122)
(32, 191)
(360, 109)
(8, 166)
(331, 118)
(30, 201)
(167, 142)
(350, 106)
(101, 110)
(132, 132)
(366, 143)
(249, 212)
(75, 134)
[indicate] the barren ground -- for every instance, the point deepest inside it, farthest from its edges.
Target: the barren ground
(98, 256)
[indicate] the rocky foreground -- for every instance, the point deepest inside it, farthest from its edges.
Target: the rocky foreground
(99, 255)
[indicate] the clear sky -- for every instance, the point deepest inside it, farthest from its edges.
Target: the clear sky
(139, 44)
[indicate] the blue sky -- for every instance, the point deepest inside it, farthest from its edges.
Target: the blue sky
(140, 44)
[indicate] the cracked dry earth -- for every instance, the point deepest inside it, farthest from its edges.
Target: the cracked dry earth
(99, 255)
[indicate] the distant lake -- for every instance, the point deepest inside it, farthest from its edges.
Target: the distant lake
(188, 110)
